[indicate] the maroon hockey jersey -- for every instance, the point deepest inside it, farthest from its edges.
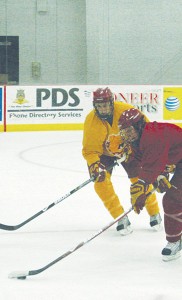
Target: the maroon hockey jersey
(160, 145)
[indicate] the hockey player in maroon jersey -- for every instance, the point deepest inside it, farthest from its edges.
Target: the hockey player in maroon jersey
(100, 128)
(159, 149)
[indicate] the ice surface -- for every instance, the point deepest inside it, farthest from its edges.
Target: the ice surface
(37, 168)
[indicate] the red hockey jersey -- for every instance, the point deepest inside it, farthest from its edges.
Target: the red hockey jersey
(160, 145)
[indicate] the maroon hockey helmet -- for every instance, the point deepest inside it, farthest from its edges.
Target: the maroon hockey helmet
(129, 118)
(102, 95)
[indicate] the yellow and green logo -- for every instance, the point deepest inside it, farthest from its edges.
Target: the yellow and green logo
(20, 97)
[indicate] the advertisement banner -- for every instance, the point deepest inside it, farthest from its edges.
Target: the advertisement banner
(173, 104)
(65, 107)
(148, 99)
(40, 105)
(1, 108)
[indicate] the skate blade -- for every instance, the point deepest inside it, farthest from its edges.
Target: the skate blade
(126, 231)
(157, 227)
(171, 257)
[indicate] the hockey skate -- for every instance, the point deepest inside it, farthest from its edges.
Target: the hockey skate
(124, 227)
(172, 251)
(155, 222)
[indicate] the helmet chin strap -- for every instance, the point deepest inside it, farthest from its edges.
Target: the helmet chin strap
(105, 117)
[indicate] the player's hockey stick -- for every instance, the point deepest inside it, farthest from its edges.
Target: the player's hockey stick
(15, 227)
(23, 274)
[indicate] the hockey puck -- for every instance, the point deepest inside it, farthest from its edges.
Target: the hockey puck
(22, 277)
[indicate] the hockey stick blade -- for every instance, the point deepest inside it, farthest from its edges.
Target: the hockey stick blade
(24, 274)
(15, 227)
(18, 275)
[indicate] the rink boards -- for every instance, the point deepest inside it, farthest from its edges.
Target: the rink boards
(37, 108)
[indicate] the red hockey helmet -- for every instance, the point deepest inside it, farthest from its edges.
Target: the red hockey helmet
(102, 95)
(103, 102)
(129, 118)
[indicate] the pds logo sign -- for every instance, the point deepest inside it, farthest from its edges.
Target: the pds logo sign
(58, 97)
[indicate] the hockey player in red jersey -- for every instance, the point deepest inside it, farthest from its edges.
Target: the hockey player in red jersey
(100, 130)
(159, 149)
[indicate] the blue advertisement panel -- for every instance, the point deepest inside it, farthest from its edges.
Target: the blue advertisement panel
(1, 101)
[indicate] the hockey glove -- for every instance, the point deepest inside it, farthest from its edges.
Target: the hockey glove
(162, 183)
(98, 171)
(138, 195)
(170, 168)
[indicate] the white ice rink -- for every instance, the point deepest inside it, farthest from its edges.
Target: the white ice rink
(36, 169)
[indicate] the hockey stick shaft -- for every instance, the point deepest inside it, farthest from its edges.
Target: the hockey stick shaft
(24, 274)
(81, 244)
(15, 227)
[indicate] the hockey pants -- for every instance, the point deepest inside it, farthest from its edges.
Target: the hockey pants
(172, 204)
